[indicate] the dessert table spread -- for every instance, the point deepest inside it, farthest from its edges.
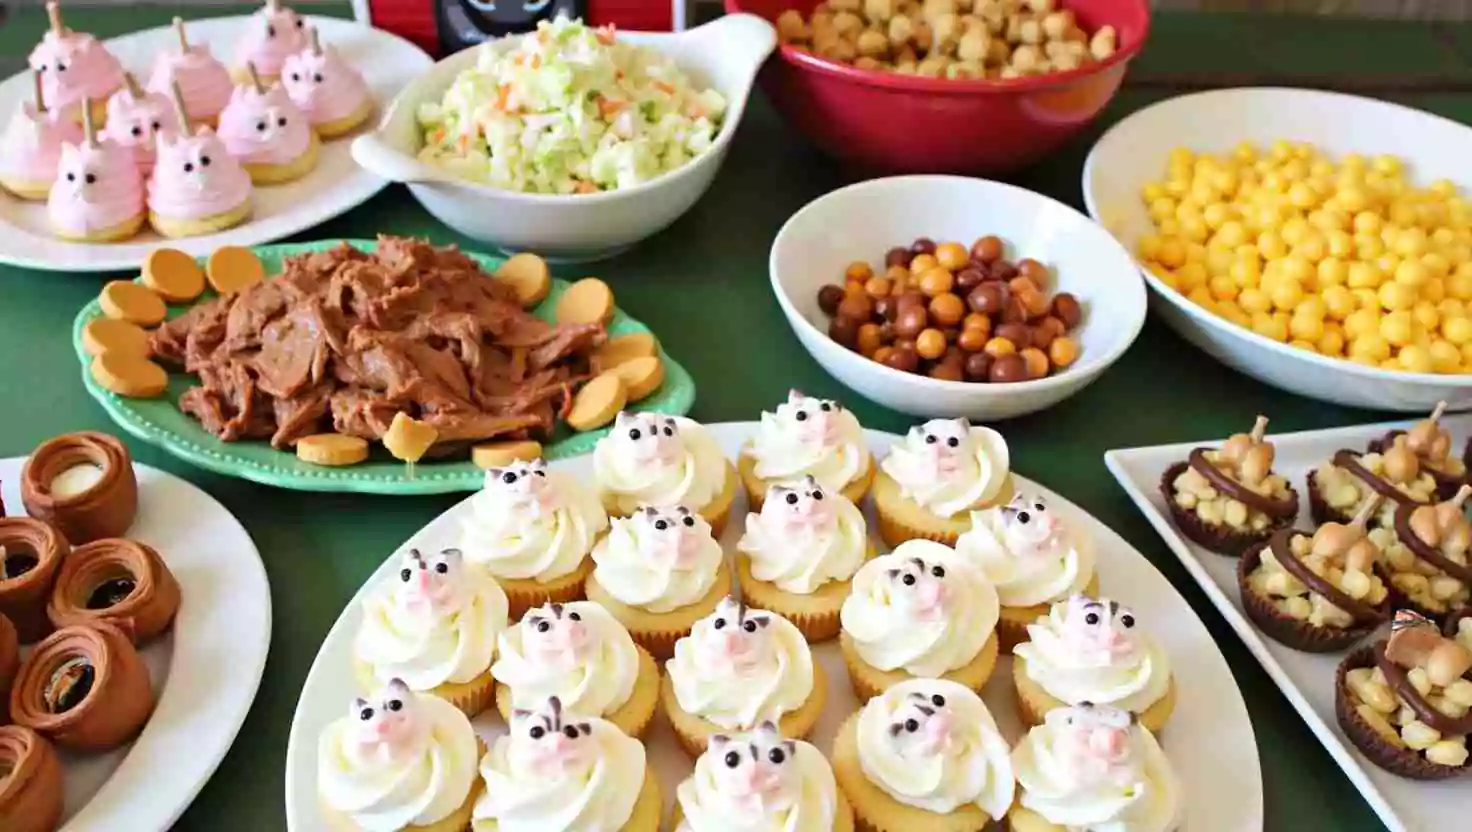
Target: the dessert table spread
(702, 286)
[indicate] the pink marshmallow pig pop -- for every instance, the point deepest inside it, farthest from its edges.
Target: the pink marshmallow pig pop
(30, 149)
(197, 187)
(73, 66)
(135, 118)
(98, 193)
(204, 82)
(268, 133)
(332, 94)
(274, 33)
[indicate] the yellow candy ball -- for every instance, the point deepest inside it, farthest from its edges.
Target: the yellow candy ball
(1415, 358)
(1396, 328)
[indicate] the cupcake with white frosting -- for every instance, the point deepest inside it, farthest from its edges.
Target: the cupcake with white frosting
(650, 459)
(799, 553)
(533, 530)
(658, 572)
(1092, 650)
(761, 781)
(580, 654)
(924, 755)
(399, 761)
(807, 437)
(738, 668)
(936, 476)
(918, 611)
(559, 771)
(1032, 558)
(1093, 767)
(433, 624)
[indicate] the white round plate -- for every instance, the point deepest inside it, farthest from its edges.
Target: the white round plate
(336, 185)
(1209, 738)
(205, 671)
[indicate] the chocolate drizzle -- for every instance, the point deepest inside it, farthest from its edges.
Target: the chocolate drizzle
(1282, 550)
(1400, 682)
(1350, 461)
(1424, 551)
(1287, 507)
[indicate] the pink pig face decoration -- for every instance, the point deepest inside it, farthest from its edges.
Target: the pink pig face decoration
(193, 160)
(923, 726)
(80, 173)
(673, 535)
(805, 508)
(1093, 741)
(548, 743)
(525, 484)
(816, 418)
(427, 584)
(650, 438)
(556, 634)
(1100, 628)
(737, 639)
(946, 441)
(1030, 525)
(265, 117)
(388, 725)
(920, 587)
(756, 769)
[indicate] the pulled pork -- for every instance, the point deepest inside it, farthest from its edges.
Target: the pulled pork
(343, 340)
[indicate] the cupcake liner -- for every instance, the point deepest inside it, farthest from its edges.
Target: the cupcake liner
(718, 511)
(1034, 703)
(815, 615)
(524, 594)
(756, 487)
(1220, 539)
(869, 681)
(843, 814)
(694, 732)
(874, 810)
(1403, 762)
(470, 698)
(1026, 820)
(658, 632)
(1285, 629)
(9, 663)
(901, 518)
(648, 808)
(633, 717)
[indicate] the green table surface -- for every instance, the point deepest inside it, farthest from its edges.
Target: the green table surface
(702, 286)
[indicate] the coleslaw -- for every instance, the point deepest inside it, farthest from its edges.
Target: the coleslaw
(568, 109)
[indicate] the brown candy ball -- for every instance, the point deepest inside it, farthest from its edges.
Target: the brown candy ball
(1008, 368)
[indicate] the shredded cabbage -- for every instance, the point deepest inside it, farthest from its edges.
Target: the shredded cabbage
(567, 109)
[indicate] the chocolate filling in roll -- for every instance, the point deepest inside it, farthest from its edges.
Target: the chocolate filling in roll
(122, 582)
(82, 483)
(30, 781)
(31, 553)
(85, 687)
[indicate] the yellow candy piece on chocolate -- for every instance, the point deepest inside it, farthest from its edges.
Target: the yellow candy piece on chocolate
(409, 439)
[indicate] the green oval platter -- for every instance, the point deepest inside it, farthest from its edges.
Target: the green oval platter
(160, 422)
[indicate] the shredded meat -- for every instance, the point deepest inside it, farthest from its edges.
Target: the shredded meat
(344, 340)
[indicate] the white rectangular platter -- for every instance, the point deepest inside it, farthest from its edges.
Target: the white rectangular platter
(1306, 679)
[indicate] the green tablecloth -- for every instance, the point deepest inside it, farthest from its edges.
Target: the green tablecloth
(702, 285)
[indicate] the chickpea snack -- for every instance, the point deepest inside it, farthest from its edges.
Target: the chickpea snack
(1429, 569)
(1317, 592)
(1406, 702)
(1432, 446)
(1229, 499)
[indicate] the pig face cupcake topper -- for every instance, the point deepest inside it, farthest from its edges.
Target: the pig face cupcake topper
(652, 459)
(429, 585)
(556, 634)
(758, 770)
(647, 437)
(1031, 528)
(949, 466)
(1093, 743)
(804, 509)
(524, 485)
(389, 726)
(737, 640)
(808, 437)
(544, 741)
(577, 652)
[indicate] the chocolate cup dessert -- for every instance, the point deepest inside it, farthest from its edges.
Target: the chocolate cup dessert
(1454, 619)
(1297, 633)
(105, 509)
(30, 781)
(1221, 538)
(9, 662)
(1400, 761)
(85, 688)
(1446, 484)
(1429, 554)
(33, 552)
(121, 582)
(1320, 511)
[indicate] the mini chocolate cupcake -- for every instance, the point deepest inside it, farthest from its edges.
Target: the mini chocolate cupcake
(1433, 447)
(31, 789)
(122, 582)
(1404, 702)
(1338, 488)
(82, 483)
(1229, 499)
(1427, 562)
(30, 556)
(84, 688)
(1318, 593)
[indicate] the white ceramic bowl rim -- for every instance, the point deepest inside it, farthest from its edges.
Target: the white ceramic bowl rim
(1127, 332)
(1181, 302)
(748, 38)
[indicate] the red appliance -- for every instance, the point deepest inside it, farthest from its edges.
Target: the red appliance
(441, 27)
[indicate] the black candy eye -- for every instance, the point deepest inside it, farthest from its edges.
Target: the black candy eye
(938, 571)
(826, 407)
(930, 440)
(572, 616)
(508, 477)
(908, 580)
(261, 126)
(792, 499)
(1038, 506)
(365, 714)
(953, 442)
(749, 626)
(299, 23)
(1127, 620)
(90, 179)
(544, 627)
(270, 31)
(1091, 619)
(938, 700)
(189, 167)
(1023, 517)
(669, 431)
(541, 473)
(60, 67)
(777, 756)
(296, 77)
(204, 161)
(395, 705)
(732, 759)
(281, 121)
(157, 126)
(136, 131)
(661, 525)
(912, 725)
(571, 732)
(537, 732)
(802, 415)
(690, 522)
(634, 434)
(719, 623)
(71, 177)
(317, 77)
(405, 574)
(816, 495)
(442, 568)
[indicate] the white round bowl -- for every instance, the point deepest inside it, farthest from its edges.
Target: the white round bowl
(724, 54)
(1134, 152)
(860, 222)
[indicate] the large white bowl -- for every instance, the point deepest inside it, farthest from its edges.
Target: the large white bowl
(724, 54)
(1134, 152)
(861, 221)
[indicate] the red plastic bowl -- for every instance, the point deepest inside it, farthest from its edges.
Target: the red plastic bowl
(883, 122)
